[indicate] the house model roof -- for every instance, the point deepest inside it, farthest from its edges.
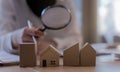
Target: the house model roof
(50, 48)
(87, 46)
(75, 44)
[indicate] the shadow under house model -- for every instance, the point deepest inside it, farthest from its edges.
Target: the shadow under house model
(87, 56)
(71, 56)
(49, 57)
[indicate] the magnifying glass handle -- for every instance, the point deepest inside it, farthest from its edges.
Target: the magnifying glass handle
(43, 29)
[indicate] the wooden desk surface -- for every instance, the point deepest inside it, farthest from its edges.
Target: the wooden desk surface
(103, 64)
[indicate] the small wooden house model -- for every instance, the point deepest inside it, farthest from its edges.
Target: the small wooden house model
(71, 56)
(27, 55)
(49, 57)
(87, 56)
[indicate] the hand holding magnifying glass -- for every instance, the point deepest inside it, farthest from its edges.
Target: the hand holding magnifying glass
(54, 18)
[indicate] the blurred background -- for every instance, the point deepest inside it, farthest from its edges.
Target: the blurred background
(99, 20)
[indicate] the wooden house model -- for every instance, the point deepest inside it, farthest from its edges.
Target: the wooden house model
(49, 57)
(27, 55)
(87, 56)
(71, 56)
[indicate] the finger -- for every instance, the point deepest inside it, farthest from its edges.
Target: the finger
(39, 28)
(27, 38)
(29, 31)
(34, 31)
(39, 33)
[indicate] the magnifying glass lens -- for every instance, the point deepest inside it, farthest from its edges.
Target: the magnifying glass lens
(55, 17)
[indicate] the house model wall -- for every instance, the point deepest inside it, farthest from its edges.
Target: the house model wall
(49, 57)
(27, 55)
(71, 56)
(87, 56)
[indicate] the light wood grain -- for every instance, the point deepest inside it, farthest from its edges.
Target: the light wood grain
(27, 55)
(48, 55)
(71, 56)
(87, 56)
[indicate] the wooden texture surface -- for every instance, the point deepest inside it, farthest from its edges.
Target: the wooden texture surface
(87, 55)
(71, 56)
(27, 55)
(49, 57)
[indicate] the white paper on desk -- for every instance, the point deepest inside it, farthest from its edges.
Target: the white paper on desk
(8, 59)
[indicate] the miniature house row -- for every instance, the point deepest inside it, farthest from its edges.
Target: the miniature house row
(73, 56)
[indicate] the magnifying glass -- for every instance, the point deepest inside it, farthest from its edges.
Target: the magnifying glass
(55, 17)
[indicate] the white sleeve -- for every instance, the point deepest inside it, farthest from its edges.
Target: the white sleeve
(5, 43)
(6, 40)
(7, 24)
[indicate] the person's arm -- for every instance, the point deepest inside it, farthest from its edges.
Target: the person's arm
(6, 43)
(10, 33)
(25, 35)
(7, 24)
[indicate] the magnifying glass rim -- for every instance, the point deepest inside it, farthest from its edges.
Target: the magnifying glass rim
(57, 28)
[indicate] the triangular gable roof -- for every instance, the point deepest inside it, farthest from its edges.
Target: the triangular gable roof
(76, 44)
(50, 47)
(87, 45)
